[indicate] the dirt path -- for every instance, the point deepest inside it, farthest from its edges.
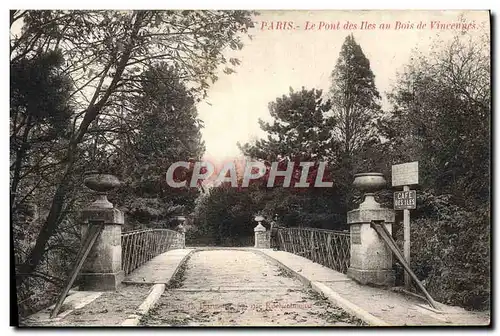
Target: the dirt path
(231, 287)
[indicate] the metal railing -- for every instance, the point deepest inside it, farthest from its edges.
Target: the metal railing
(326, 247)
(140, 246)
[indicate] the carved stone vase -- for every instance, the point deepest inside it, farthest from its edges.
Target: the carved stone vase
(102, 184)
(369, 183)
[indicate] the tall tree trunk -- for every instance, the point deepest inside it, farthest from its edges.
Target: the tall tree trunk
(51, 222)
(21, 152)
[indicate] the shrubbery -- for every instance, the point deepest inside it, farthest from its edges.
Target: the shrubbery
(223, 217)
(450, 252)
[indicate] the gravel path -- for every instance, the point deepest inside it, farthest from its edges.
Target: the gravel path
(232, 288)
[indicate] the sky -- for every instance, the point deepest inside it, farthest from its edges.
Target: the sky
(277, 59)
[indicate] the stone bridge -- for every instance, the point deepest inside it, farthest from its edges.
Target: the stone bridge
(244, 286)
(316, 278)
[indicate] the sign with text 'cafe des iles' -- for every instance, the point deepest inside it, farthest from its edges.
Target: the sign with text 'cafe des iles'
(405, 200)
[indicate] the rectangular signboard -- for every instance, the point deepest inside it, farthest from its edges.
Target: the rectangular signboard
(405, 200)
(356, 234)
(405, 174)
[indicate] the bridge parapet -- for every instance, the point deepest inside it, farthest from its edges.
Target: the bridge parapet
(140, 246)
(115, 254)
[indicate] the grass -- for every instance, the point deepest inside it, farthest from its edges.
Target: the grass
(285, 273)
(179, 276)
(332, 313)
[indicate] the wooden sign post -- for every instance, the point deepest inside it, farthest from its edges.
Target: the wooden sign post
(405, 174)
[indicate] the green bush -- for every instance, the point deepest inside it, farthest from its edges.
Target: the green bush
(224, 217)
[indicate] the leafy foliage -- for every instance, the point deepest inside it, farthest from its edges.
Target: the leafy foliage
(226, 216)
(166, 129)
(308, 128)
(300, 129)
(452, 253)
(441, 118)
(354, 97)
(40, 114)
(442, 106)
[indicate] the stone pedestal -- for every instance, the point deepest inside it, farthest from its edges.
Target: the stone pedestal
(371, 259)
(262, 237)
(102, 269)
(181, 241)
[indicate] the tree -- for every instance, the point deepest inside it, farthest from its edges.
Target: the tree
(355, 109)
(300, 131)
(442, 109)
(40, 113)
(166, 130)
(226, 215)
(441, 117)
(354, 98)
(106, 54)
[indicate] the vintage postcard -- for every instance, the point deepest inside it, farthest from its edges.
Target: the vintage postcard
(250, 168)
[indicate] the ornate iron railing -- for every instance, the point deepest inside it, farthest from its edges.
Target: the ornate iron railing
(326, 247)
(140, 246)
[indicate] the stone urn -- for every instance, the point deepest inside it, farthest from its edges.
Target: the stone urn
(181, 220)
(369, 183)
(259, 226)
(102, 184)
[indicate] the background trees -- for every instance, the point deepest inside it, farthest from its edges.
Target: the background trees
(301, 131)
(106, 56)
(40, 112)
(225, 217)
(354, 98)
(340, 130)
(162, 128)
(300, 128)
(355, 109)
(442, 109)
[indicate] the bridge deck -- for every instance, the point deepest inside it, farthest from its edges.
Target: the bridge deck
(241, 288)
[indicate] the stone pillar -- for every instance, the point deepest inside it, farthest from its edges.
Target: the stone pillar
(262, 237)
(102, 269)
(371, 259)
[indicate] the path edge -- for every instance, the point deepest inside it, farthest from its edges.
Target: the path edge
(179, 265)
(329, 293)
(347, 305)
(152, 298)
